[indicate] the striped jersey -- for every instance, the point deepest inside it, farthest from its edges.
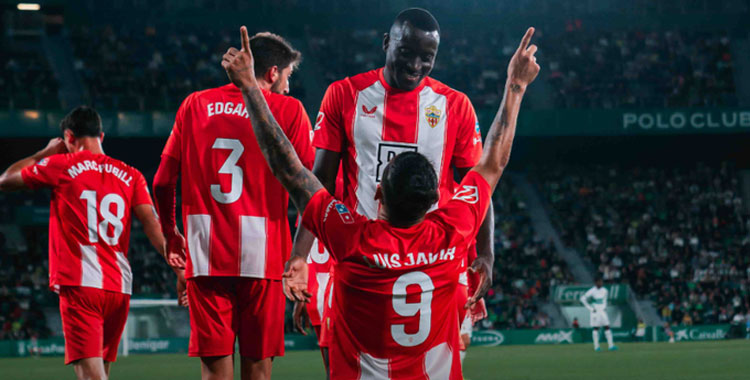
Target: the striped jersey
(90, 216)
(369, 123)
(233, 208)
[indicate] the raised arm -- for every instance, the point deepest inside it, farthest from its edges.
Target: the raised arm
(522, 70)
(278, 151)
(11, 179)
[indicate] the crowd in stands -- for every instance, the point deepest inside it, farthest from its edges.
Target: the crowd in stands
(678, 235)
(621, 69)
(27, 81)
(526, 267)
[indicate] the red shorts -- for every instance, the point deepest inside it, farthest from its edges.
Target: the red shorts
(93, 321)
(224, 309)
(326, 324)
(462, 296)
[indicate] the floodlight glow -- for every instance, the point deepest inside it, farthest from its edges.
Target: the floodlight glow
(28, 7)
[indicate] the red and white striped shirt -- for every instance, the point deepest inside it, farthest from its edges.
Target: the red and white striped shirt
(233, 208)
(369, 123)
(90, 213)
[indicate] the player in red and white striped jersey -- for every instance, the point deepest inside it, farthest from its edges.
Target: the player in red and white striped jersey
(396, 276)
(367, 119)
(235, 215)
(93, 198)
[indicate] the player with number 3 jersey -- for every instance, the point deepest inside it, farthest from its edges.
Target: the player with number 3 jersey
(235, 215)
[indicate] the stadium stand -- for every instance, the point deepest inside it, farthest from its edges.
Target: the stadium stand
(679, 235)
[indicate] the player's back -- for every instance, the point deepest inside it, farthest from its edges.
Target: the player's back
(394, 289)
(90, 217)
(234, 210)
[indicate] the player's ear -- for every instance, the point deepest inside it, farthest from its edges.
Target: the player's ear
(386, 41)
(101, 137)
(272, 75)
(378, 193)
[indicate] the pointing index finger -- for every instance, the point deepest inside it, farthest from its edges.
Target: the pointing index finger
(245, 39)
(526, 38)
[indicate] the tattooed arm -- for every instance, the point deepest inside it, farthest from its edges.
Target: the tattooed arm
(522, 70)
(278, 151)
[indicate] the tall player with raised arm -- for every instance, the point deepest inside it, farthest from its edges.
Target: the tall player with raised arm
(367, 119)
(93, 199)
(396, 276)
(235, 215)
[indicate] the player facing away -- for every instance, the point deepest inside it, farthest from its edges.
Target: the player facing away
(598, 307)
(93, 199)
(235, 215)
(367, 119)
(395, 276)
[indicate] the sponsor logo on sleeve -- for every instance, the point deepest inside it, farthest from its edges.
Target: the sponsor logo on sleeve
(43, 162)
(468, 194)
(344, 213)
(319, 121)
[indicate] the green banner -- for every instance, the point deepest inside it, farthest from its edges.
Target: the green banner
(696, 333)
(571, 294)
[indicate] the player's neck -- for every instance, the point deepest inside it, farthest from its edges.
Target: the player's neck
(263, 84)
(91, 144)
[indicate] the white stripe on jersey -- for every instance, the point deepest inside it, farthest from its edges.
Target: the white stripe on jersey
(438, 361)
(253, 246)
(322, 279)
(125, 272)
(91, 270)
(199, 242)
(431, 140)
(367, 132)
(372, 368)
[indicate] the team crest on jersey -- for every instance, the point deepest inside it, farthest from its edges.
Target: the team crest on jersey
(468, 194)
(433, 114)
(44, 161)
(344, 213)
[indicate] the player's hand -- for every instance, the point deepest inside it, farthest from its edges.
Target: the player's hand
(239, 64)
(294, 280)
(478, 311)
(176, 250)
(523, 69)
(300, 316)
(484, 268)
(182, 299)
(54, 146)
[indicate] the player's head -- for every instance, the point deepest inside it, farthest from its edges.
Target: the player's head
(410, 48)
(275, 60)
(598, 281)
(81, 122)
(408, 189)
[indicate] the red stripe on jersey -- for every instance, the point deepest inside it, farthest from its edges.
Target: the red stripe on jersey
(400, 121)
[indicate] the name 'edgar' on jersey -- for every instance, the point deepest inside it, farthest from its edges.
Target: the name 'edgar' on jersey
(234, 209)
(395, 287)
(93, 196)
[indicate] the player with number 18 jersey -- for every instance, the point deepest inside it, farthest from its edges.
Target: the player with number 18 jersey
(235, 215)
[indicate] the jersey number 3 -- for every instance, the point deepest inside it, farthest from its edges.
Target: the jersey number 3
(229, 167)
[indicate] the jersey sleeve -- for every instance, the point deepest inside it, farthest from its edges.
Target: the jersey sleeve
(466, 211)
(173, 147)
(329, 125)
(332, 223)
(141, 196)
(468, 136)
(45, 173)
(298, 130)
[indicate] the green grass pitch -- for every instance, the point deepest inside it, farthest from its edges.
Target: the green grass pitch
(642, 361)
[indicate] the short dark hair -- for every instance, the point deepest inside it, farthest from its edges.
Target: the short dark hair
(410, 187)
(271, 50)
(420, 18)
(82, 121)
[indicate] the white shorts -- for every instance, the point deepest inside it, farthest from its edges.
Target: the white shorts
(466, 326)
(599, 318)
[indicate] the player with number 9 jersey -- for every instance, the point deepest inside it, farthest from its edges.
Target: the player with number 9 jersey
(410, 273)
(235, 215)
